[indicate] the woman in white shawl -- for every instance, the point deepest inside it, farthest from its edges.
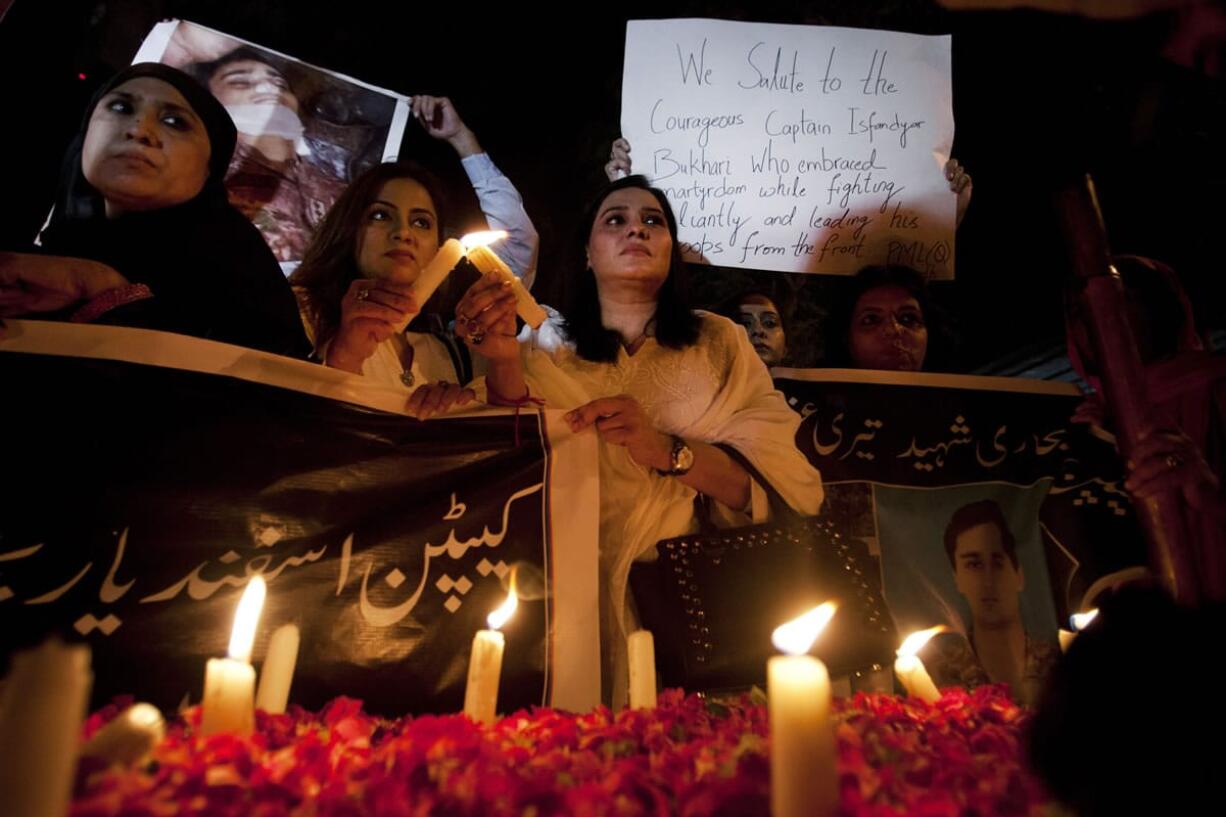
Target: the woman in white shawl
(666, 388)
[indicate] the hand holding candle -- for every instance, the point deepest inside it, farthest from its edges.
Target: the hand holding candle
(485, 664)
(229, 683)
(486, 261)
(910, 669)
(804, 782)
(474, 247)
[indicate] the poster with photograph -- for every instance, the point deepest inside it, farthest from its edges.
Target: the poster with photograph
(303, 132)
(990, 512)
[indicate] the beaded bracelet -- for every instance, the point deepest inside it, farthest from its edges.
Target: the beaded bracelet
(108, 299)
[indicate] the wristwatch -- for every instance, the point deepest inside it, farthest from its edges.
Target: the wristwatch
(681, 460)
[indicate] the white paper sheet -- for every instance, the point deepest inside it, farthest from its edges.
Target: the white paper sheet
(795, 148)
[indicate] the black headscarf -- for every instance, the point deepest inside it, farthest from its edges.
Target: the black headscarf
(211, 273)
(76, 198)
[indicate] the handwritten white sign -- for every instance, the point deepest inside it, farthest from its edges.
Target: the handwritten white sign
(795, 148)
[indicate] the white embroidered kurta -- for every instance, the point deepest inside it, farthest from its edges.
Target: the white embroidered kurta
(431, 361)
(716, 391)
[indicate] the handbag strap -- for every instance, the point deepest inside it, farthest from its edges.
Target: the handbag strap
(781, 511)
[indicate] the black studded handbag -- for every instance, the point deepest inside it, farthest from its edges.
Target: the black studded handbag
(713, 598)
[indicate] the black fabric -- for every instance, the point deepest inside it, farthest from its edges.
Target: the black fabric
(384, 538)
(211, 273)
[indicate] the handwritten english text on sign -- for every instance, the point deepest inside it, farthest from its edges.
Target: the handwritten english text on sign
(795, 148)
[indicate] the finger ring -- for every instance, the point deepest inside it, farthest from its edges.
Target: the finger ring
(476, 338)
(363, 294)
(462, 318)
(1173, 461)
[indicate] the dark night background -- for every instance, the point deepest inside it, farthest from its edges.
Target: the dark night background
(1037, 98)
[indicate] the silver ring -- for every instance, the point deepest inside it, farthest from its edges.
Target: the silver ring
(1173, 461)
(363, 294)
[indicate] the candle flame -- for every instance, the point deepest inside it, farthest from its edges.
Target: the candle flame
(1080, 621)
(499, 617)
(797, 636)
(242, 636)
(916, 641)
(482, 239)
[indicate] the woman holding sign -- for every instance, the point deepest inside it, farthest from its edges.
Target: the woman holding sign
(668, 390)
(356, 278)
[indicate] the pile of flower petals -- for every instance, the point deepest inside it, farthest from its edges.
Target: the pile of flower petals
(690, 756)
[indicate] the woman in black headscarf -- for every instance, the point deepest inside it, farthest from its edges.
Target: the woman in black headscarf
(142, 234)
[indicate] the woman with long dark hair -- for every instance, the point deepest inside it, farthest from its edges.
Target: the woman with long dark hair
(681, 403)
(355, 280)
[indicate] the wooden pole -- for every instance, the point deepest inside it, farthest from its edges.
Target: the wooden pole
(1123, 381)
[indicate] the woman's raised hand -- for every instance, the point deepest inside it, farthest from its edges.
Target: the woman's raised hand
(621, 421)
(371, 312)
(47, 283)
(619, 160)
(485, 318)
(961, 186)
(441, 120)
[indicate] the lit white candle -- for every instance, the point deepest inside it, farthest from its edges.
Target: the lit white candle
(130, 737)
(229, 683)
(804, 782)
(910, 669)
(642, 650)
(486, 261)
(41, 712)
(1078, 621)
(429, 279)
(485, 665)
(277, 673)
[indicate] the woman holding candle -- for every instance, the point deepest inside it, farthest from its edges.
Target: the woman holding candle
(354, 283)
(670, 391)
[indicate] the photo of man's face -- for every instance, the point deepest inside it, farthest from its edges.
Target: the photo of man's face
(247, 82)
(986, 575)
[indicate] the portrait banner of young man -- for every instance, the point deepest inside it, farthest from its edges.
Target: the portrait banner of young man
(990, 512)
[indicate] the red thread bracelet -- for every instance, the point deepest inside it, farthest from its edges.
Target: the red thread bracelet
(519, 402)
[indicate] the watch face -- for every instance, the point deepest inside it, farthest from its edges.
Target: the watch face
(683, 459)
